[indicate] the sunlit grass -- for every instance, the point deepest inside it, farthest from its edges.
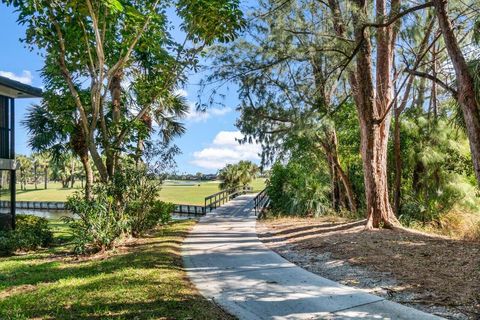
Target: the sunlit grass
(143, 280)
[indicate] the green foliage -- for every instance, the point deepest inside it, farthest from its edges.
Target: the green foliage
(237, 175)
(210, 20)
(97, 223)
(298, 189)
(437, 173)
(144, 216)
(91, 47)
(126, 206)
(31, 233)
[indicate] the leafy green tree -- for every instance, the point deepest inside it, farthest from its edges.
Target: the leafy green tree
(290, 87)
(91, 47)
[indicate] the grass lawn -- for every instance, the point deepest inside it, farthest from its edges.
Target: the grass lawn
(142, 280)
(180, 193)
(55, 192)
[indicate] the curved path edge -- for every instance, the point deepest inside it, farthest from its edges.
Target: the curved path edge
(228, 264)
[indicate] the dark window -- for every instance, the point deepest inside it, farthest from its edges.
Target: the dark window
(5, 199)
(4, 128)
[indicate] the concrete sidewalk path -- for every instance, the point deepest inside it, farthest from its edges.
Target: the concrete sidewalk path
(228, 264)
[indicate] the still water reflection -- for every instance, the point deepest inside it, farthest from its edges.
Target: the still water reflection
(57, 214)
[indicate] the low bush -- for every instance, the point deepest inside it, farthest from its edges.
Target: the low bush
(31, 233)
(96, 224)
(146, 216)
(295, 189)
(126, 206)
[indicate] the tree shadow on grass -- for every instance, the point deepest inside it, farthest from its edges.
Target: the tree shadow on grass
(142, 280)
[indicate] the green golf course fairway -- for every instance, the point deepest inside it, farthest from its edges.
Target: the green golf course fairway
(180, 192)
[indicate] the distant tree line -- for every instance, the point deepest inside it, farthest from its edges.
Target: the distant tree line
(38, 169)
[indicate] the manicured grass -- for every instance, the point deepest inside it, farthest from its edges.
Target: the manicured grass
(196, 193)
(142, 280)
(176, 192)
(55, 192)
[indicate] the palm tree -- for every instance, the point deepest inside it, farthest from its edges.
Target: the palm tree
(58, 133)
(237, 175)
(247, 172)
(43, 159)
(25, 165)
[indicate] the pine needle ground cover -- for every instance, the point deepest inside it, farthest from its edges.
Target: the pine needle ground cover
(433, 273)
(143, 279)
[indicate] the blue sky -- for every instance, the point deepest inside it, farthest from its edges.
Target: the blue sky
(208, 144)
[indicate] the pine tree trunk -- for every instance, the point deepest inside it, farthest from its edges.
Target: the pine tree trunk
(466, 88)
(372, 108)
(398, 164)
(330, 149)
(374, 153)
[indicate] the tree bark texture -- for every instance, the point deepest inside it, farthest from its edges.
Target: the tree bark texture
(465, 83)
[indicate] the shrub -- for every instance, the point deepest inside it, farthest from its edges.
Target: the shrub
(146, 216)
(98, 224)
(298, 189)
(31, 233)
(7, 245)
(162, 212)
(126, 206)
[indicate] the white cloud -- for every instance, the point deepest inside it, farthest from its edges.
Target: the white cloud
(26, 76)
(226, 149)
(181, 92)
(195, 115)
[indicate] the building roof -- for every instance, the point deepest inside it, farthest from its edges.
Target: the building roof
(15, 89)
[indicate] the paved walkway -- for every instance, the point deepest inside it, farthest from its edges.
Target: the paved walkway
(228, 264)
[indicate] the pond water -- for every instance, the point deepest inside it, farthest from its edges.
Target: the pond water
(48, 214)
(57, 214)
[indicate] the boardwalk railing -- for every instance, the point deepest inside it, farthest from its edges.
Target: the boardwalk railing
(189, 209)
(211, 202)
(217, 199)
(35, 205)
(261, 201)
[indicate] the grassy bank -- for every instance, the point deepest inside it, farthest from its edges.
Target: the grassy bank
(181, 192)
(141, 280)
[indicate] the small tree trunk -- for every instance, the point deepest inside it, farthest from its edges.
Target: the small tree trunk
(335, 192)
(88, 176)
(116, 93)
(45, 177)
(398, 163)
(330, 149)
(80, 147)
(433, 98)
(35, 167)
(72, 173)
(139, 152)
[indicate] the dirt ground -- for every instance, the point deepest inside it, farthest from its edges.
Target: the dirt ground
(431, 273)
